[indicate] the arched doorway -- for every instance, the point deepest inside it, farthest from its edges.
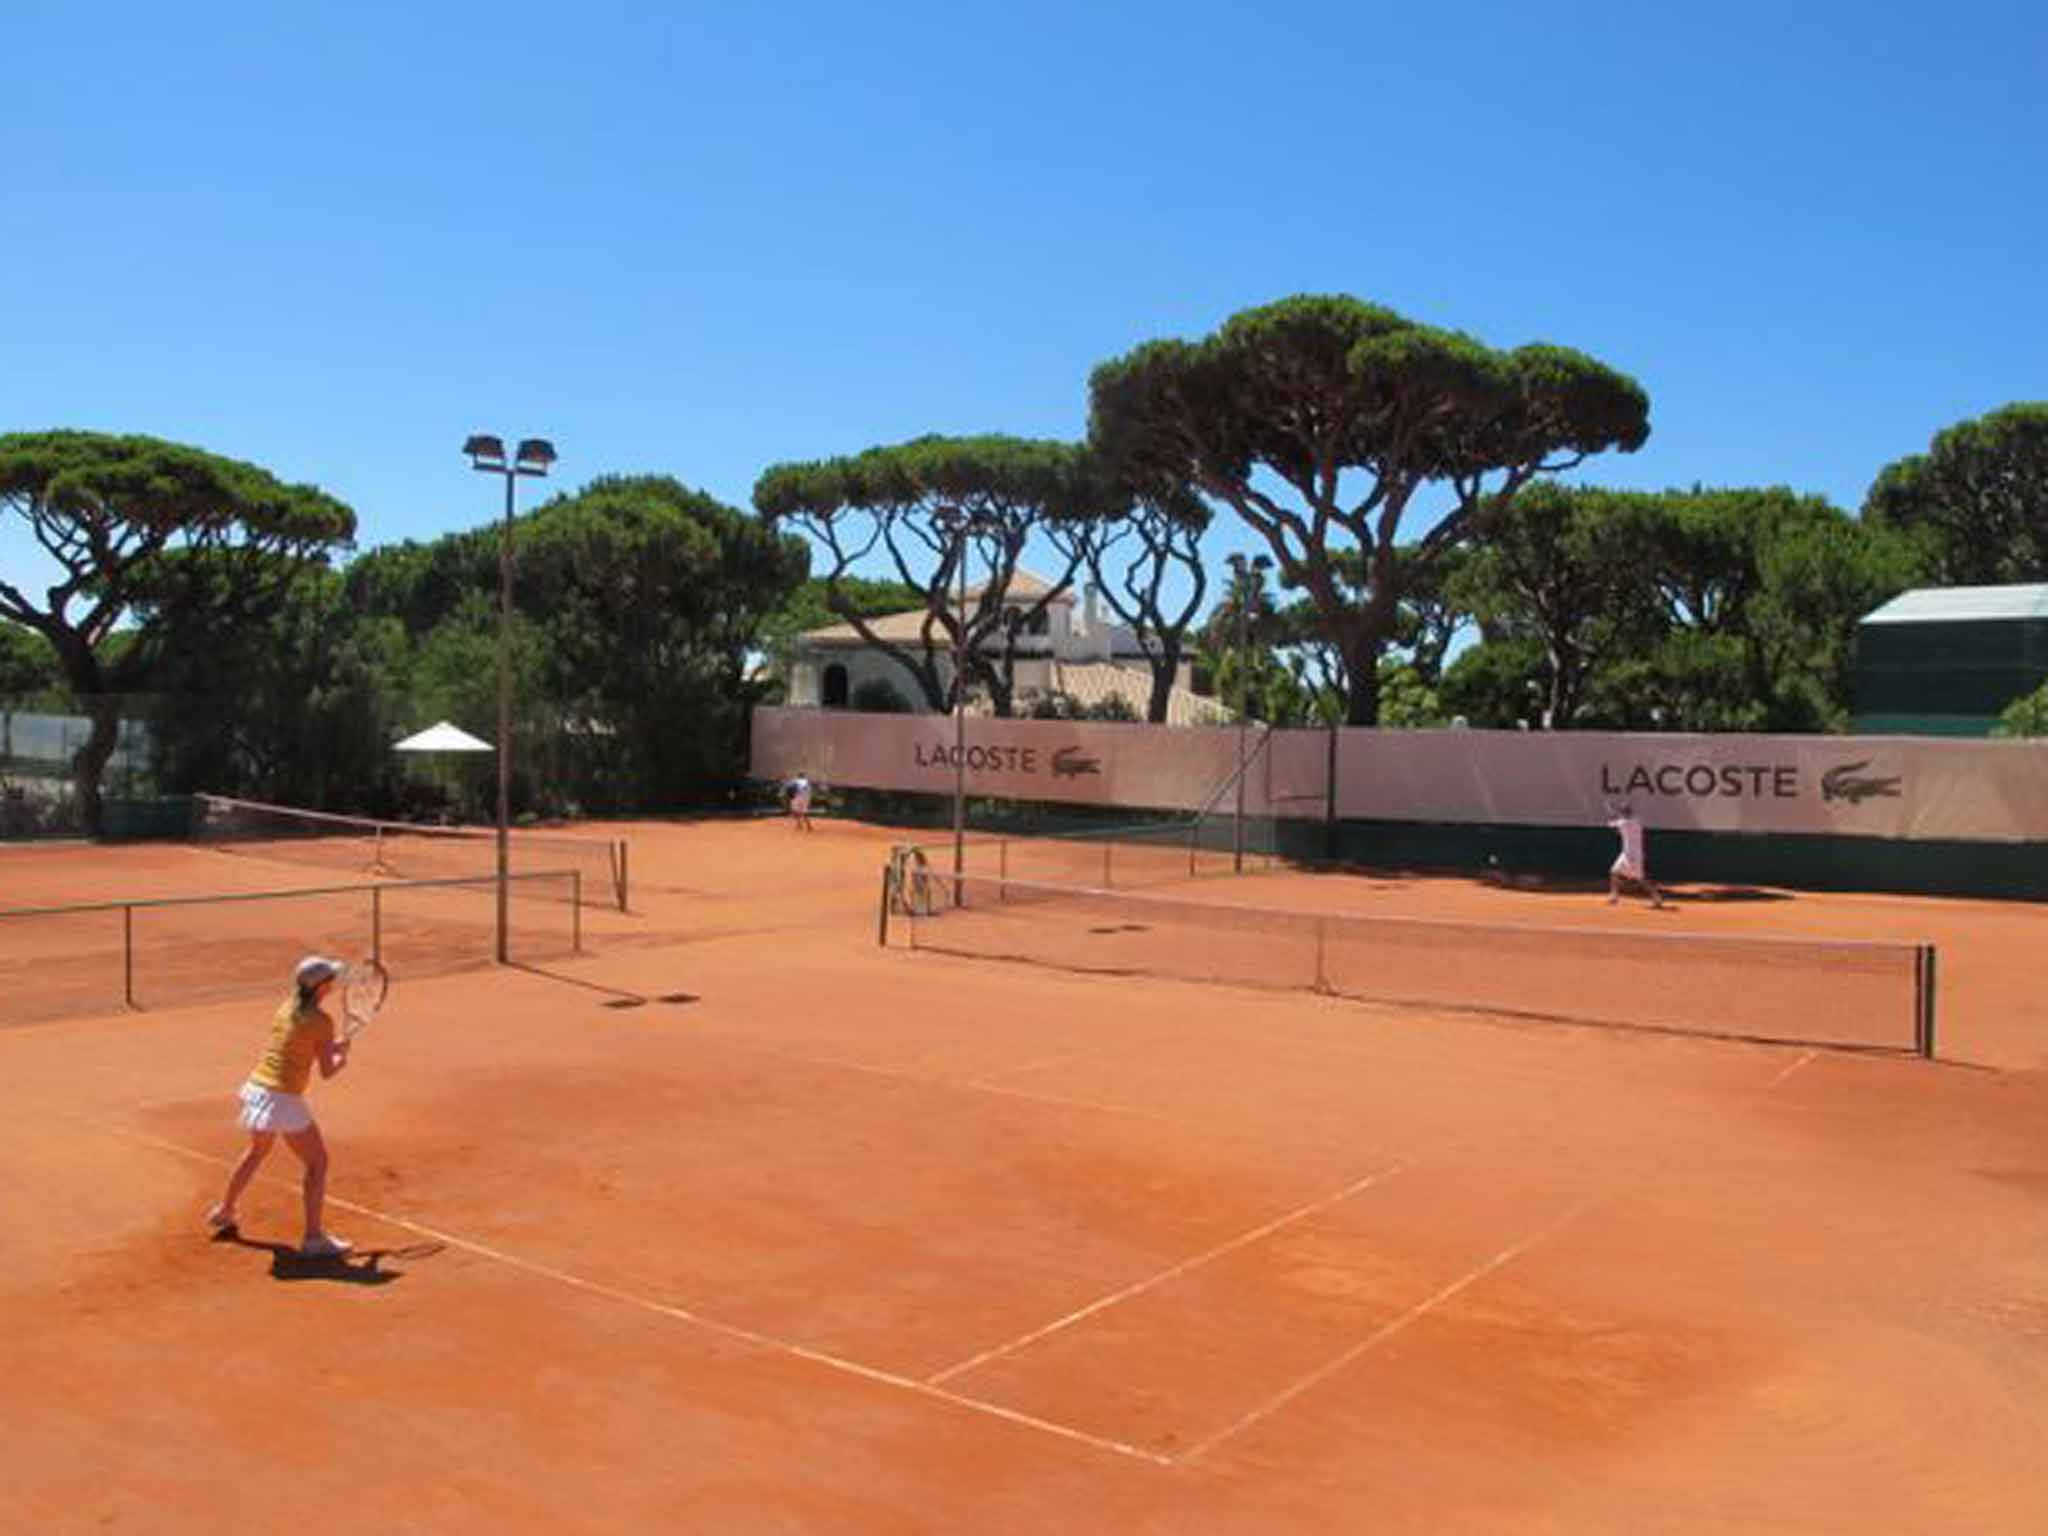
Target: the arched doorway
(835, 686)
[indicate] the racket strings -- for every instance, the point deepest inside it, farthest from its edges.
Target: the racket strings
(364, 989)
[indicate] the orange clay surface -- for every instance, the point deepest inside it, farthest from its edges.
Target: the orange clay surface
(738, 1223)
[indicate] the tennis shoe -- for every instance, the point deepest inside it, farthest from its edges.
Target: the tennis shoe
(220, 1220)
(325, 1246)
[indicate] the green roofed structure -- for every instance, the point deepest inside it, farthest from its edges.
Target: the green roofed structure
(1946, 661)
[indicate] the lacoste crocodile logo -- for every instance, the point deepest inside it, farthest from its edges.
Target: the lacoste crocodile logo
(1072, 762)
(1849, 782)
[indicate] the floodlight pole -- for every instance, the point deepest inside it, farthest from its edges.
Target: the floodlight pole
(960, 728)
(505, 728)
(487, 456)
(1241, 570)
(959, 525)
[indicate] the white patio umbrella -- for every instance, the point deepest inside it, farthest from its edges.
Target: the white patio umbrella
(441, 736)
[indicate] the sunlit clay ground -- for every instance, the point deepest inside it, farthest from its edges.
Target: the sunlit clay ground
(739, 1222)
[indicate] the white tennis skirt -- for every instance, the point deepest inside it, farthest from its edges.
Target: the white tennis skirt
(265, 1109)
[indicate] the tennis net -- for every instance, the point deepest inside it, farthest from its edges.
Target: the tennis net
(1848, 993)
(1106, 858)
(101, 957)
(401, 849)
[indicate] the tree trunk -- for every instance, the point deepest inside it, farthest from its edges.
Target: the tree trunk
(1002, 685)
(1564, 689)
(90, 761)
(1362, 692)
(1363, 643)
(927, 676)
(1165, 671)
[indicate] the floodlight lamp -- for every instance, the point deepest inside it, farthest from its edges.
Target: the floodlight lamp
(485, 452)
(535, 455)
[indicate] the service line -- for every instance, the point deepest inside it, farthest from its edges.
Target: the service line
(1137, 1288)
(1380, 1335)
(696, 1319)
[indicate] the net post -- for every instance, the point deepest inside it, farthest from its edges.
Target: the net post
(575, 911)
(888, 890)
(621, 873)
(1322, 977)
(925, 904)
(377, 923)
(128, 954)
(1923, 1001)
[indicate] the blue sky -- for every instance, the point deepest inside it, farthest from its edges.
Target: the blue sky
(702, 239)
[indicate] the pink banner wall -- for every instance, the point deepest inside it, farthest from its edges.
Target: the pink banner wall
(1875, 786)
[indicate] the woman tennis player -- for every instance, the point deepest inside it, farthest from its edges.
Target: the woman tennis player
(274, 1104)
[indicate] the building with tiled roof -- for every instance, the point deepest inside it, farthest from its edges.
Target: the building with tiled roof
(1068, 649)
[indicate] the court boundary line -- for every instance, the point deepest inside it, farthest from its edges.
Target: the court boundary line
(1771, 1086)
(983, 1085)
(1429, 1303)
(1387, 1330)
(966, 1085)
(1137, 1288)
(854, 1368)
(930, 1387)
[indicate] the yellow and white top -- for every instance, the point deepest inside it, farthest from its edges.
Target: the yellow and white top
(294, 1045)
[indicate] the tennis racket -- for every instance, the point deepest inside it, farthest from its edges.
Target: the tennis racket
(364, 986)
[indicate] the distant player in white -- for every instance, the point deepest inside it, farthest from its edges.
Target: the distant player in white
(799, 791)
(1630, 867)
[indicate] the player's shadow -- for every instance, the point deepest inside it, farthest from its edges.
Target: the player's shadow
(617, 997)
(1717, 893)
(1536, 884)
(359, 1266)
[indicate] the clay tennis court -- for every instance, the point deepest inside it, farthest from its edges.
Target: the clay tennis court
(736, 1222)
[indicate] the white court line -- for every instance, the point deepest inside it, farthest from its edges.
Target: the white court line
(1380, 1335)
(213, 1094)
(684, 1315)
(1062, 1101)
(1151, 1281)
(1374, 1340)
(1038, 1064)
(951, 1084)
(1787, 1072)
